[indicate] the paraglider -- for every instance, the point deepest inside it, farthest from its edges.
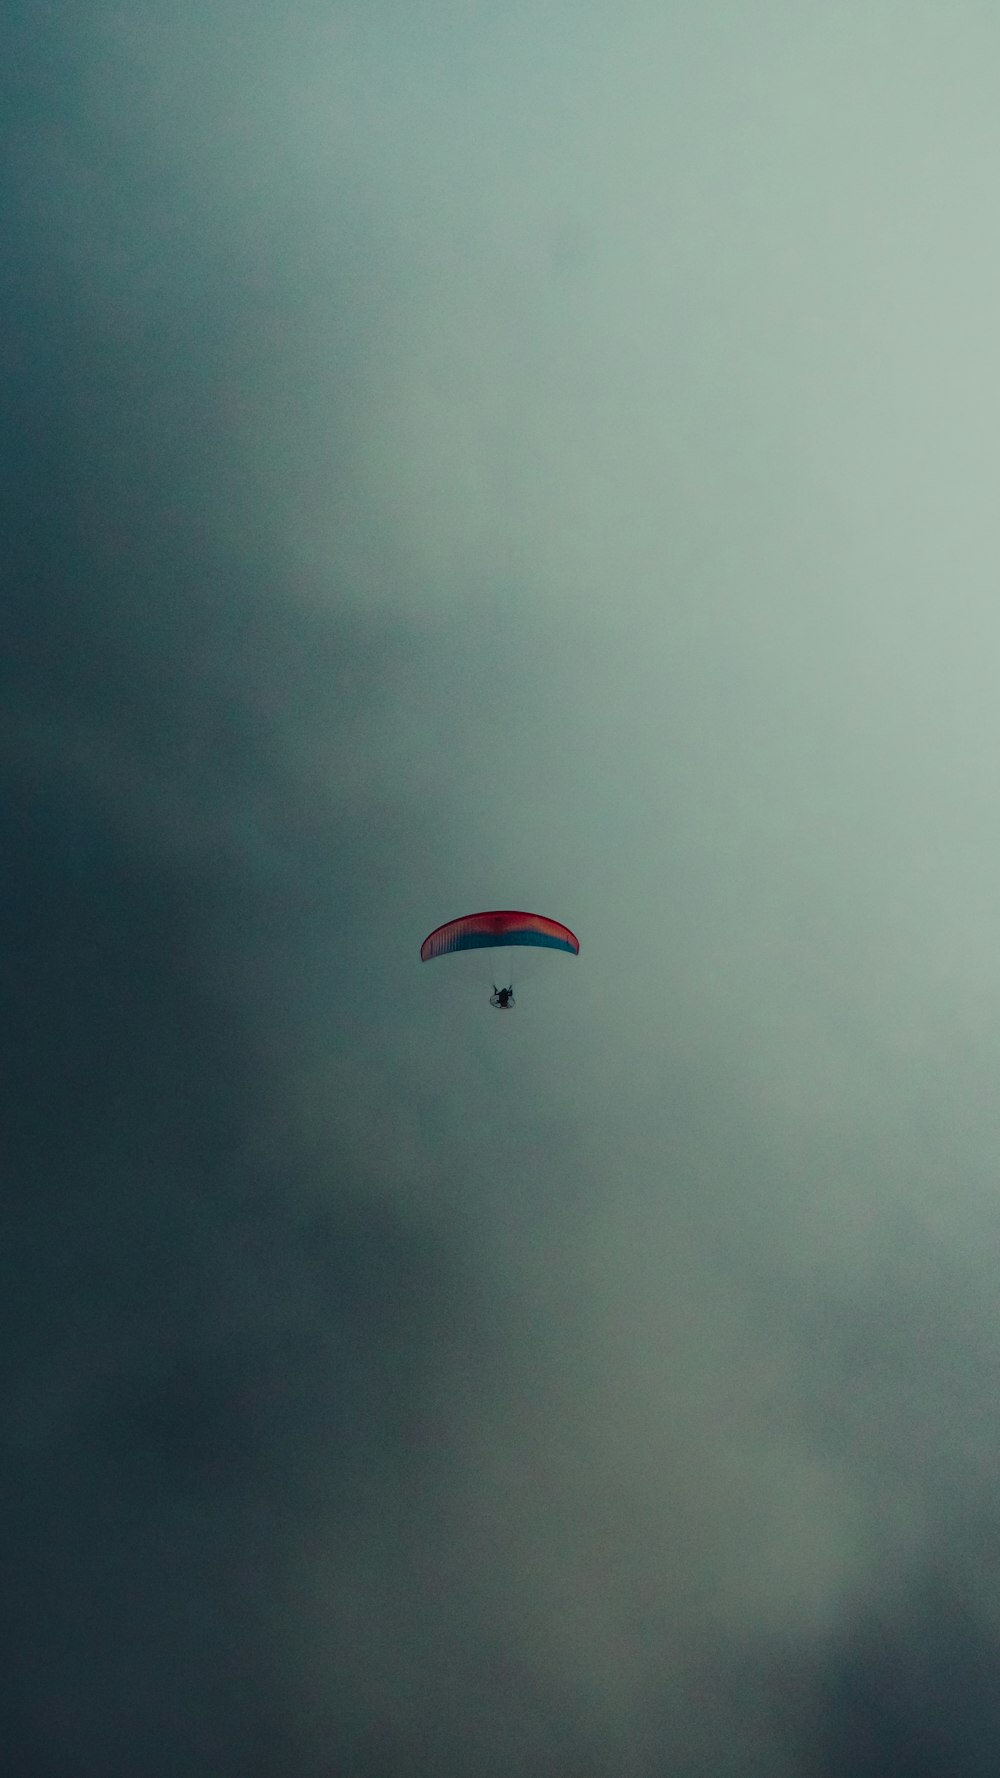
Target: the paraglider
(501, 926)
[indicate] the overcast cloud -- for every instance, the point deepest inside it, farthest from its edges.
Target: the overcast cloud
(465, 455)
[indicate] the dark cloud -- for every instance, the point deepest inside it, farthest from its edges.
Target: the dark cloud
(911, 1693)
(209, 1336)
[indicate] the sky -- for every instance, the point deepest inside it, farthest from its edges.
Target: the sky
(462, 456)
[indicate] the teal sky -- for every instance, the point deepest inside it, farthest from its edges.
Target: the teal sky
(465, 456)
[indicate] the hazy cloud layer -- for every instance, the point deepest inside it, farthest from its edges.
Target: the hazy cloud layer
(462, 457)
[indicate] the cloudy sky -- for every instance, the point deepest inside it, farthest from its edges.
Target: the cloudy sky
(461, 455)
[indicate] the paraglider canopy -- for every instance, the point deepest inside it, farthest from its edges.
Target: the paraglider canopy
(502, 926)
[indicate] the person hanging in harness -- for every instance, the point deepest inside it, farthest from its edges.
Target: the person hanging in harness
(502, 997)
